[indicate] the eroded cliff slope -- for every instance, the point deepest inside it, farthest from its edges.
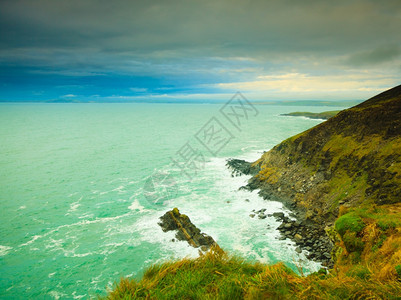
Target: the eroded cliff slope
(351, 159)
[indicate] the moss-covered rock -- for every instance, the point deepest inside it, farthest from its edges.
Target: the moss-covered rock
(349, 222)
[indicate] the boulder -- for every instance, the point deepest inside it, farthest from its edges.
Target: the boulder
(278, 215)
(298, 238)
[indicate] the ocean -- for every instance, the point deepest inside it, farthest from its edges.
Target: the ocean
(82, 187)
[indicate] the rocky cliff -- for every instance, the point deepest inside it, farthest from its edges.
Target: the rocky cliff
(353, 158)
(344, 167)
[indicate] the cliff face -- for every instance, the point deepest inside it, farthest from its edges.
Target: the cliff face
(352, 159)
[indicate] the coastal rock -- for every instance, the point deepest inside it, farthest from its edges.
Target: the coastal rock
(186, 231)
(278, 215)
(262, 216)
(288, 225)
(239, 167)
(298, 238)
(317, 244)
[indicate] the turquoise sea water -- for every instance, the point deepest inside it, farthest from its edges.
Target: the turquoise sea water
(82, 187)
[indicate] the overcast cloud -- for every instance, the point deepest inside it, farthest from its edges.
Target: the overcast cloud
(208, 49)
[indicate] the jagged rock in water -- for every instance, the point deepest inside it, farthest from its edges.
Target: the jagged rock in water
(186, 231)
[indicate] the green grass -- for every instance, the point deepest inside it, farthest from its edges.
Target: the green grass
(349, 222)
(359, 271)
(398, 270)
(369, 238)
(219, 276)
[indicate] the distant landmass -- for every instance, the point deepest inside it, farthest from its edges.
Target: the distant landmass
(338, 103)
(322, 115)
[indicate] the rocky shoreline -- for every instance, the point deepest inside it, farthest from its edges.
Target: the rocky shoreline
(310, 238)
(307, 236)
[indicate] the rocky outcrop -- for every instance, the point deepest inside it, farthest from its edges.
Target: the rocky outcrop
(186, 231)
(240, 166)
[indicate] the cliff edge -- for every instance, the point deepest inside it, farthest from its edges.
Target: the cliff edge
(352, 159)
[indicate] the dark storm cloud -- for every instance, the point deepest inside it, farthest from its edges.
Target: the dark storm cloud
(223, 40)
(252, 26)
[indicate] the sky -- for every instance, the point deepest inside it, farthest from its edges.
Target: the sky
(175, 50)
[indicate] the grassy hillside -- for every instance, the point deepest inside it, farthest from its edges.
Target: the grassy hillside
(343, 176)
(351, 159)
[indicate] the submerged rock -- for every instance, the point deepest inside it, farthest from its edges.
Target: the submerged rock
(186, 231)
(262, 216)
